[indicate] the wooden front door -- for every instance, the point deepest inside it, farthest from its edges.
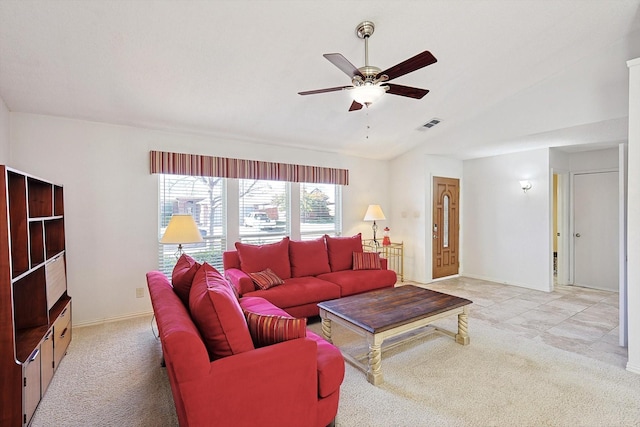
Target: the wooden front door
(445, 227)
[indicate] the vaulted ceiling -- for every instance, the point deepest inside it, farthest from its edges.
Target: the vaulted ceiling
(511, 75)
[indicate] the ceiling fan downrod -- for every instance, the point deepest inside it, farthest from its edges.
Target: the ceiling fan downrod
(364, 30)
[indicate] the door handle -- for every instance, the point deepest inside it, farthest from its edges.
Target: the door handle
(577, 234)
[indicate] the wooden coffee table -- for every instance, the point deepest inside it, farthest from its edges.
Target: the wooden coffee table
(389, 312)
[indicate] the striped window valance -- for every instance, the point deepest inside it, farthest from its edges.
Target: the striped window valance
(197, 165)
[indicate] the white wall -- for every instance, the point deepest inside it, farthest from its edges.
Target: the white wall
(633, 218)
(507, 233)
(111, 199)
(411, 176)
(595, 160)
(4, 134)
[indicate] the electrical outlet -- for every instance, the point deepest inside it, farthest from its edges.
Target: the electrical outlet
(139, 292)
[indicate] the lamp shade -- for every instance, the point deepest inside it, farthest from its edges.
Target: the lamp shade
(181, 229)
(374, 213)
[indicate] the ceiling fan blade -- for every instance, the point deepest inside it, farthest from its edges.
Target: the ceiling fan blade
(330, 89)
(411, 92)
(343, 63)
(355, 106)
(405, 67)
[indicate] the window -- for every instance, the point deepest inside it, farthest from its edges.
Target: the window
(264, 211)
(319, 210)
(260, 211)
(203, 198)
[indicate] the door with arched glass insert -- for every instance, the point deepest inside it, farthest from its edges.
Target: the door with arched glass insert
(445, 227)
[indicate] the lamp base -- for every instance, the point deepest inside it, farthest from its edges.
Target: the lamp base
(179, 252)
(375, 241)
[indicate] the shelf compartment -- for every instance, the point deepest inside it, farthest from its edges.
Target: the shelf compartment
(54, 237)
(31, 316)
(58, 201)
(40, 198)
(36, 238)
(18, 223)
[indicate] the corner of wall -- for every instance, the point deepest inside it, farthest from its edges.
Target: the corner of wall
(5, 132)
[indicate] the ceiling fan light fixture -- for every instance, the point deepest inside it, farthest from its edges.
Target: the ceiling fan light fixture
(367, 94)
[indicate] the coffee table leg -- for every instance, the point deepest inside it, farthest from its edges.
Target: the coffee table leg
(326, 329)
(374, 367)
(462, 336)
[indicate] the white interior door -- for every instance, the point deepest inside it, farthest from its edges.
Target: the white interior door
(595, 238)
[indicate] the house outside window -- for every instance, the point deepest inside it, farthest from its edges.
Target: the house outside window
(320, 210)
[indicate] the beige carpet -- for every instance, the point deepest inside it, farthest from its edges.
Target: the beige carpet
(111, 376)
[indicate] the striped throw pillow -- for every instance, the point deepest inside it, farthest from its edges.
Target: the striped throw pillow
(267, 329)
(366, 261)
(266, 279)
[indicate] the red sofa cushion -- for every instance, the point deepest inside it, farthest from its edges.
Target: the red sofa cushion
(308, 257)
(358, 281)
(266, 279)
(254, 258)
(366, 261)
(268, 329)
(182, 276)
(217, 314)
(299, 291)
(330, 360)
(341, 251)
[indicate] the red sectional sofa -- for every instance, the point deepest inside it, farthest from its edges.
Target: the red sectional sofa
(240, 362)
(310, 271)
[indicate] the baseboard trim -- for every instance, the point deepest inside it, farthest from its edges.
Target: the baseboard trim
(112, 319)
(633, 368)
(503, 282)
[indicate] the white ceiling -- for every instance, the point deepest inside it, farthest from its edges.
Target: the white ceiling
(511, 75)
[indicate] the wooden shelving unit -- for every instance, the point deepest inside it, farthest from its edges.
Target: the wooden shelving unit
(35, 309)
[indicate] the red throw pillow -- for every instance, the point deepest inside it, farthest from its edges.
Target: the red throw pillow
(182, 276)
(254, 258)
(267, 329)
(266, 279)
(341, 251)
(308, 258)
(366, 261)
(217, 314)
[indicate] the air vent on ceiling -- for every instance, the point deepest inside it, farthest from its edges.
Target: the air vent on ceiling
(430, 124)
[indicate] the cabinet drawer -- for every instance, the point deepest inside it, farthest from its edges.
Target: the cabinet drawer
(56, 279)
(62, 335)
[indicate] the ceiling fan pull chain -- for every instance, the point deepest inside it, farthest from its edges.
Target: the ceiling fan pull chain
(368, 125)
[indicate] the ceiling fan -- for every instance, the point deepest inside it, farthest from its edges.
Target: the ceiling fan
(367, 82)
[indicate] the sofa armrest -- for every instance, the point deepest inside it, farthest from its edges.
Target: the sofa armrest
(269, 386)
(240, 280)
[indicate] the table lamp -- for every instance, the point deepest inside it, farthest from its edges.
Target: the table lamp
(181, 229)
(374, 212)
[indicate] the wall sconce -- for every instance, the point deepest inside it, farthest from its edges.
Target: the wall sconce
(526, 185)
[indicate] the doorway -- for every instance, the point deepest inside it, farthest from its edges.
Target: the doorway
(595, 230)
(446, 227)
